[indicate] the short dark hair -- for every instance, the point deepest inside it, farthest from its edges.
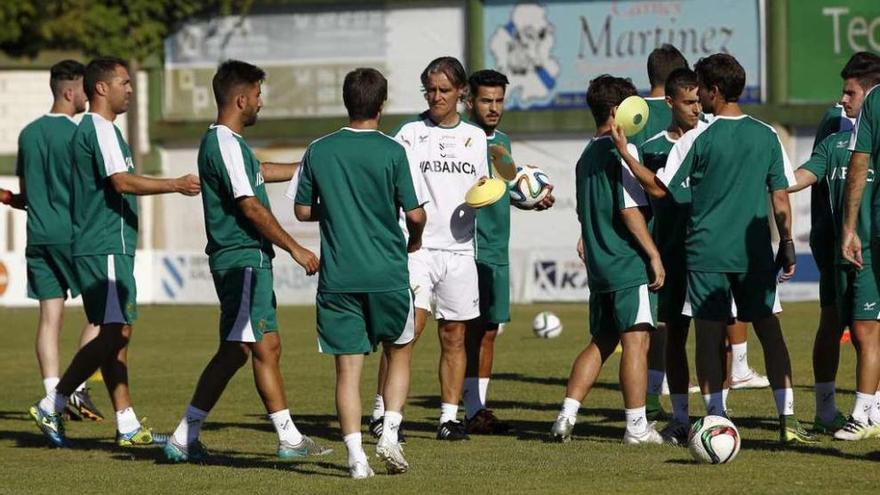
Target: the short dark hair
(662, 61)
(864, 67)
(363, 92)
(450, 66)
(489, 78)
(100, 69)
(606, 92)
(232, 74)
(66, 70)
(722, 70)
(680, 79)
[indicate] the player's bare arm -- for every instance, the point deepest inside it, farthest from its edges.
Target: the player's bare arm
(803, 179)
(17, 201)
(305, 213)
(278, 172)
(126, 183)
(635, 222)
(415, 225)
(267, 225)
(785, 256)
(652, 186)
(856, 176)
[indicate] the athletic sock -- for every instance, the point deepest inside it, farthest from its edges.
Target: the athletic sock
(391, 425)
(680, 408)
(355, 449)
(127, 421)
(739, 366)
(285, 427)
(862, 408)
(50, 383)
(875, 412)
(483, 383)
(569, 409)
(471, 395)
(655, 382)
(784, 401)
(724, 393)
(636, 421)
(190, 425)
(53, 402)
(378, 407)
(715, 404)
(448, 412)
(826, 405)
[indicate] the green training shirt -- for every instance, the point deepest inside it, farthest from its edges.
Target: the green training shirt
(604, 186)
(821, 236)
(726, 170)
(829, 163)
(659, 118)
(229, 171)
(866, 139)
(493, 221)
(45, 163)
(104, 221)
(669, 218)
(359, 180)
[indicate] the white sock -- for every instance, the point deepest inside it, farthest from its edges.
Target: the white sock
(82, 386)
(826, 405)
(127, 421)
(484, 390)
(50, 383)
(378, 407)
(285, 427)
(391, 425)
(875, 413)
(724, 393)
(355, 448)
(190, 425)
(655, 381)
(53, 402)
(448, 412)
(862, 408)
(784, 401)
(714, 404)
(569, 409)
(471, 396)
(739, 366)
(680, 408)
(636, 422)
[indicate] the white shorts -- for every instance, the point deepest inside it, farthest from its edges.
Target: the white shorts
(448, 280)
(688, 311)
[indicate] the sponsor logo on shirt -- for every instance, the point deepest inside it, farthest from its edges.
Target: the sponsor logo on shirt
(260, 181)
(422, 139)
(129, 163)
(839, 173)
(870, 306)
(448, 167)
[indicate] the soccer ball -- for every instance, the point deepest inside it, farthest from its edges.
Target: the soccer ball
(529, 186)
(713, 440)
(546, 325)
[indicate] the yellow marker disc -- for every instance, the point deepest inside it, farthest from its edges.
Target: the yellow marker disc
(485, 192)
(632, 115)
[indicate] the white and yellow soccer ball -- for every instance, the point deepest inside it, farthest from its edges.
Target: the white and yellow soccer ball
(546, 325)
(713, 440)
(529, 187)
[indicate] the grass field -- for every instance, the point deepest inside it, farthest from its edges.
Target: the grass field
(172, 344)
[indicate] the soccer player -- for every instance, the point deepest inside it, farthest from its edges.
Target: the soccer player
(44, 168)
(241, 230)
(105, 222)
(826, 346)
(447, 155)
(623, 270)
(857, 289)
(355, 182)
(728, 248)
(485, 104)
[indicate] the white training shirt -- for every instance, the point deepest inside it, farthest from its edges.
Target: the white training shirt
(445, 163)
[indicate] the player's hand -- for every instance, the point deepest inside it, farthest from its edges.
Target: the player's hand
(413, 245)
(305, 259)
(619, 138)
(658, 274)
(851, 247)
(5, 196)
(188, 185)
(785, 259)
(548, 200)
(502, 162)
(580, 249)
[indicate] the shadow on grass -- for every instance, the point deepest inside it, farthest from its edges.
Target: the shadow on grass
(315, 425)
(560, 381)
(15, 415)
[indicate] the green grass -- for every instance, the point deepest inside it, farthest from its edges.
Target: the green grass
(172, 344)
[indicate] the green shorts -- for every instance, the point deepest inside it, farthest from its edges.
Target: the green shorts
(355, 323)
(710, 295)
(859, 297)
(828, 284)
(108, 287)
(494, 283)
(247, 303)
(620, 310)
(50, 272)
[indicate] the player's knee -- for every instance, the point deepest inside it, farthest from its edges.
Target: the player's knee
(233, 354)
(452, 339)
